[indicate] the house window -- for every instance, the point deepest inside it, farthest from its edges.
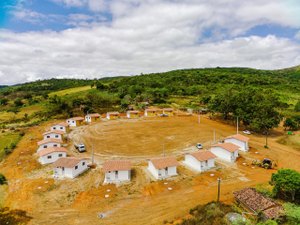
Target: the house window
(61, 128)
(49, 157)
(60, 155)
(83, 163)
(54, 128)
(45, 146)
(55, 145)
(48, 136)
(76, 167)
(56, 136)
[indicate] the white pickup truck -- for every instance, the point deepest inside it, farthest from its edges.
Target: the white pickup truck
(80, 147)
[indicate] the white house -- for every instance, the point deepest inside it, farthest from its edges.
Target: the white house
(50, 155)
(150, 112)
(75, 121)
(132, 114)
(60, 126)
(49, 143)
(54, 134)
(117, 171)
(200, 160)
(226, 151)
(112, 115)
(94, 117)
(162, 168)
(69, 167)
(238, 140)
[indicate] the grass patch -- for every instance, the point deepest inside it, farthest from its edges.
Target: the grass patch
(6, 140)
(70, 91)
(291, 140)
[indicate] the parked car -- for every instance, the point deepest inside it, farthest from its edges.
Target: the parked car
(80, 147)
(163, 115)
(199, 146)
(247, 132)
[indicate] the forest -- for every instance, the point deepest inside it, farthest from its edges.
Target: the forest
(259, 98)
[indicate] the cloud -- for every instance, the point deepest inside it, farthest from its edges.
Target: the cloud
(152, 36)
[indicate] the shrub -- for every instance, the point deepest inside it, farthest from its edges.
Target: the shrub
(2, 179)
(292, 213)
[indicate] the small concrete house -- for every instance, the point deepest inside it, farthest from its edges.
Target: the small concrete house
(50, 155)
(49, 143)
(55, 134)
(238, 140)
(162, 168)
(117, 171)
(168, 111)
(226, 151)
(132, 114)
(75, 121)
(69, 167)
(94, 117)
(150, 112)
(200, 160)
(60, 127)
(112, 115)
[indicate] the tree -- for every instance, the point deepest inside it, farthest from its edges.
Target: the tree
(3, 101)
(286, 184)
(290, 124)
(18, 102)
(297, 106)
(2, 179)
(268, 222)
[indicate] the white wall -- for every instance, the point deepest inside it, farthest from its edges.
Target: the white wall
(88, 119)
(60, 128)
(72, 123)
(54, 136)
(224, 155)
(54, 156)
(117, 176)
(192, 162)
(48, 145)
(71, 172)
(243, 145)
(162, 173)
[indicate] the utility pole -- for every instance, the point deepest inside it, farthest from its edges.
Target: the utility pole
(219, 189)
(92, 154)
(214, 136)
(237, 125)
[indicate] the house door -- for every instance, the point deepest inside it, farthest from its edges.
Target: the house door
(166, 171)
(117, 175)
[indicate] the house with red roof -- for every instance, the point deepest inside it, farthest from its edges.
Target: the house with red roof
(93, 117)
(239, 140)
(54, 134)
(112, 115)
(226, 151)
(200, 161)
(75, 121)
(117, 171)
(60, 127)
(50, 155)
(162, 168)
(69, 167)
(132, 114)
(49, 143)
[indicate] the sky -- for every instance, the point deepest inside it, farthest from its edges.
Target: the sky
(41, 39)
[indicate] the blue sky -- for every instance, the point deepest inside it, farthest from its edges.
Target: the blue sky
(96, 38)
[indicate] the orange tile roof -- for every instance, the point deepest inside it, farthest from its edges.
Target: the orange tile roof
(160, 163)
(133, 112)
(116, 165)
(239, 137)
(168, 109)
(54, 132)
(228, 147)
(47, 151)
(49, 140)
(63, 124)
(68, 162)
(94, 115)
(113, 113)
(203, 155)
(77, 118)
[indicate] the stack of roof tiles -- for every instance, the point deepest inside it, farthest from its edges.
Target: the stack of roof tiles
(256, 202)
